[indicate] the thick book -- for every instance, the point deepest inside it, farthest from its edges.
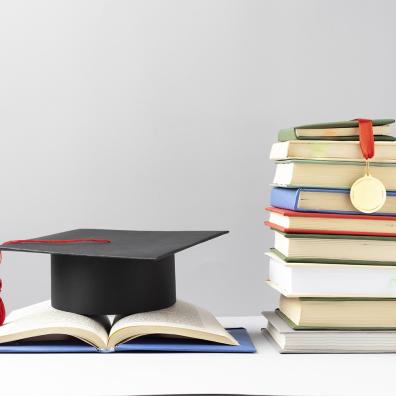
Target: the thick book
(324, 200)
(338, 313)
(336, 150)
(340, 130)
(181, 327)
(290, 221)
(289, 340)
(332, 248)
(331, 174)
(310, 279)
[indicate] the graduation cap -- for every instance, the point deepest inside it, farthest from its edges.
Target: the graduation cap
(97, 272)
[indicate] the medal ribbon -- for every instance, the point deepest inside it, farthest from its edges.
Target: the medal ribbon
(366, 137)
(51, 241)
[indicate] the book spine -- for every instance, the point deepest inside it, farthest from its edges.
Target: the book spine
(106, 350)
(379, 138)
(285, 198)
(287, 134)
(285, 230)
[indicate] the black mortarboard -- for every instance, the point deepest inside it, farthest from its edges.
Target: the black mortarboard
(133, 272)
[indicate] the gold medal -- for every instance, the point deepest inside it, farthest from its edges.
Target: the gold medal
(368, 194)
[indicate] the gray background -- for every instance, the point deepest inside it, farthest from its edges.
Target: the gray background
(161, 114)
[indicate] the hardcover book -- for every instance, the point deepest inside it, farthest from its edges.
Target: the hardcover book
(310, 279)
(322, 248)
(289, 221)
(324, 200)
(331, 174)
(289, 340)
(341, 130)
(338, 313)
(181, 327)
(324, 150)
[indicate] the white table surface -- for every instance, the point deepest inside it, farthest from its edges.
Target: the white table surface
(265, 373)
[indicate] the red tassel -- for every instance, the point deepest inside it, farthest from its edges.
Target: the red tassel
(2, 308)
(366, 137)
(60, 241)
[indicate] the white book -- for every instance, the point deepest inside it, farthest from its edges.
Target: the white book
(331, 280)
(328, 341)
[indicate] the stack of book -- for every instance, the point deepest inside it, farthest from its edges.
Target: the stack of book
(334, 266)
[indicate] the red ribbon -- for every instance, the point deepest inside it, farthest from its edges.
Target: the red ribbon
(60, 241)
(366, 137)
(53, 241)
(2, 307)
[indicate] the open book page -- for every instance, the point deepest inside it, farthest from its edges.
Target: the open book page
(181, 319)
(41, 319)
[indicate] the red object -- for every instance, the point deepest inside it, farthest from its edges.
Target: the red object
(16, 241)
(292, 213)
(331, 232)
(366, 137)
(2, 308)
(60, 241)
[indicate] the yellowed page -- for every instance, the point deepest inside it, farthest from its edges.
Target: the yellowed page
(41, 319)
(181, 319)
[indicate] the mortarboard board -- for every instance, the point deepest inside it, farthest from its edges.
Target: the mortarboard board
(97, 272)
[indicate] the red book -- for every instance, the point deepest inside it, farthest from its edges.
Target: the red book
(293, 222)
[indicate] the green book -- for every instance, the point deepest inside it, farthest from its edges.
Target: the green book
(338, 313)
(321, 260)
(337, 236)
(324, 324)
(337, 174)
(335, 248)
(340, 130)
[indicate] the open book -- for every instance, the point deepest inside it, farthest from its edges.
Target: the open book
(42, 322)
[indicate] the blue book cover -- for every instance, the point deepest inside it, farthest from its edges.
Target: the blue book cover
(285, 198)
(288, 198)
(143, 344)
